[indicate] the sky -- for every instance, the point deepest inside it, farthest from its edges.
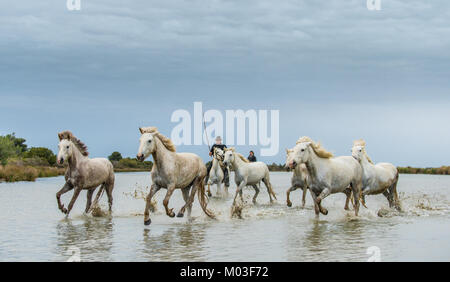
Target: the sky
(335, 71)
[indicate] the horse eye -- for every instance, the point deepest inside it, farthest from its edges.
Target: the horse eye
(67, 147)
(303, 150)
(149, 141)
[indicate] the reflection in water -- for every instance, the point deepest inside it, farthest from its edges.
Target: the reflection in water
(93, 236)
(345, 240)
(178, 243)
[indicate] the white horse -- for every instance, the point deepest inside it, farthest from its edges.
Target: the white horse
(302, 180)
(248, 174)
(172, 171)
(381, 178)
(329, 175)
(216, 174)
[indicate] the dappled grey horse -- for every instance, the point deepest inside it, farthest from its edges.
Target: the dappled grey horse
(83, 173)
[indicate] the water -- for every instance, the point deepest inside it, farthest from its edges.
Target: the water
(33, 229)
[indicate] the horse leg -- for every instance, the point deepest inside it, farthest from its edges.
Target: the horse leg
(363, 199)
(219, 188)
(109, 189)
(208, 172)
(76, 193)
(256, 193)
(209, 190)
(348, 193)
(226, 191)
(316, 206)
(288, 193)
(325, 193)
(239, 191)
(389, 197)
(305, 191)
(155, 188)
(66, 188)
(192, 197)
(170, 190)
(89, 199)
(394, 194)
(357, 191)
(185, 192)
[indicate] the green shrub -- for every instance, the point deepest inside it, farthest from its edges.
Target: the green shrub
(115, 156)
(7, 149)
(43, 153)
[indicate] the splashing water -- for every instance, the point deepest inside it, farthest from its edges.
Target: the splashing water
(260, 232)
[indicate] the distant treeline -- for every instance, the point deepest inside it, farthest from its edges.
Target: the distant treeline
(443, 170)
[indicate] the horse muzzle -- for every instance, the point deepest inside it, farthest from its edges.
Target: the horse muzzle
(61, 161)
(293, 165)
(140, 157)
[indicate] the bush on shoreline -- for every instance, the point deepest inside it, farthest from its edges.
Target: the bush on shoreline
(443, 170)
(13, 173)
(131, 164)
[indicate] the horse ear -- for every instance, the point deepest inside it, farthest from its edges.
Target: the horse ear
(287, 150)
(141, 130)
(60, 136)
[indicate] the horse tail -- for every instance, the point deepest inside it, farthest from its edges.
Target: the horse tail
(272, 192)
(203, 199)
(94, 205)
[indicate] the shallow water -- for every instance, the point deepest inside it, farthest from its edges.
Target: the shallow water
(33, 229)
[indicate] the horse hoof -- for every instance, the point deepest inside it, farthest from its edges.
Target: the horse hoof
(324, 212)
(289, 204)
(209, 194)
(180, 215)
(147, 222)
(171, 213)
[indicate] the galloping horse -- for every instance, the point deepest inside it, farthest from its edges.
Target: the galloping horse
(83, 173)
(247, 173)
(172, 171)
(329, 175)
(302, 180)
(377, 179)
(216, 174)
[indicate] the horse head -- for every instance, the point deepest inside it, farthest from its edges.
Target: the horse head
(147, 145)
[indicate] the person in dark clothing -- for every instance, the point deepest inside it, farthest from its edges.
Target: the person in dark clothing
(226, 179)
(252, 157)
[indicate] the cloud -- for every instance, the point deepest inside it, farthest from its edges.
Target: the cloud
(149, 58)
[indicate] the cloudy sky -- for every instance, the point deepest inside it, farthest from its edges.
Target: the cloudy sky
(335, 70)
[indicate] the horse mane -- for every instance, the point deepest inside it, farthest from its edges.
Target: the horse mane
(154, 131)
(67, 135)
(317, 147)
(362, 143)
(238, 154)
